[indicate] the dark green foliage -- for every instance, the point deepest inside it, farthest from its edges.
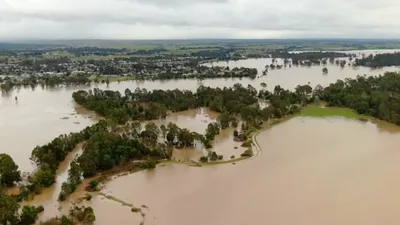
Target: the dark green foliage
(212, 130)
(8, 210)
(148, 164)
(204, 159)
(9, 171)
(49, 156)
(93, 186)
(377, 96)
(213, 156)
(58, 221)
(29, 214)
(380, 60)
(74, 179)
(83, 215)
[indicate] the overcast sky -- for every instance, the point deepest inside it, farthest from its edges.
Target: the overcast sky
(172, 19)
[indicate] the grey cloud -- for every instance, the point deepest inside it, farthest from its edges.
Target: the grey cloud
(190, 18)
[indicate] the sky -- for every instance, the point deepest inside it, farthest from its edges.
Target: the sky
(186, 19)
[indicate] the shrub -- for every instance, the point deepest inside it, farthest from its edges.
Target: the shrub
(247, 153)
(92, 186)
(204, 159)
(148, 164)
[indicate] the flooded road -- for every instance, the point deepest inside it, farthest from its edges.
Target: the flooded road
(311, 172)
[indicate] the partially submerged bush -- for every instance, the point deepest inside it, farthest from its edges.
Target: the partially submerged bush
(92, 186)
(135, 210)
(204, 159)
(88, 197)
(148, 164)
(83, 214)
(247, 153)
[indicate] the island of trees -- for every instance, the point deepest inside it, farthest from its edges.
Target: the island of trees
(379, 60)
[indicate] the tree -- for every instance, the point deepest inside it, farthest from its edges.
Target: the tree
(8, 210)
(263, 85)
(45, 177)
(224, 120)
(9, 172)
(325, 70)
(29, 214)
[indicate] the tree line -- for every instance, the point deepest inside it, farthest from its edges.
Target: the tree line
(375, 96)
(379, 60)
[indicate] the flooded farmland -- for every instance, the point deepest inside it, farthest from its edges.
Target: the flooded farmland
(311, 171)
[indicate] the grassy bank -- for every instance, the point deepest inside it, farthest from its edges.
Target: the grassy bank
(320, 111)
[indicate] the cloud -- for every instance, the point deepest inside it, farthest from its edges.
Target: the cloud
(159, 19)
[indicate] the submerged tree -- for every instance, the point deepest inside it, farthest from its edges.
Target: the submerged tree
(9, 172)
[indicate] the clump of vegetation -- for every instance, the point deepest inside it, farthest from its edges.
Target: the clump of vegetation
(88, 197)
(74, 179)
(135, 210)
(148, 164)
(29, 214)
(9, 171)
(92, 186)
(64, 220)
(246, 144)
(83, 215)
(10, 213)
(247, 153)
(204, 159)
(232, 157)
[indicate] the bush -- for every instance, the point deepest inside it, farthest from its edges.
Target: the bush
(204, 159)
(148, 164)
(246, 144)
(83, 214)
(88, 197)
(247, 153)
(29, 214)
(232, 157)
(220, 157)
(135, 210)
(213, 156)
(92, 186)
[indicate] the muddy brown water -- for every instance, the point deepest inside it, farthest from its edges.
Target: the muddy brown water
(196, 120)
(311, 172)
(41, 114)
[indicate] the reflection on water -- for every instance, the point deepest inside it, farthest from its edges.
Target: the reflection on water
(311, 172)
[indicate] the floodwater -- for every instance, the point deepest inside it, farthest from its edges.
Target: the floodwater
(311, 172)
(42, 114)
(279, 187)
(195, 120)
